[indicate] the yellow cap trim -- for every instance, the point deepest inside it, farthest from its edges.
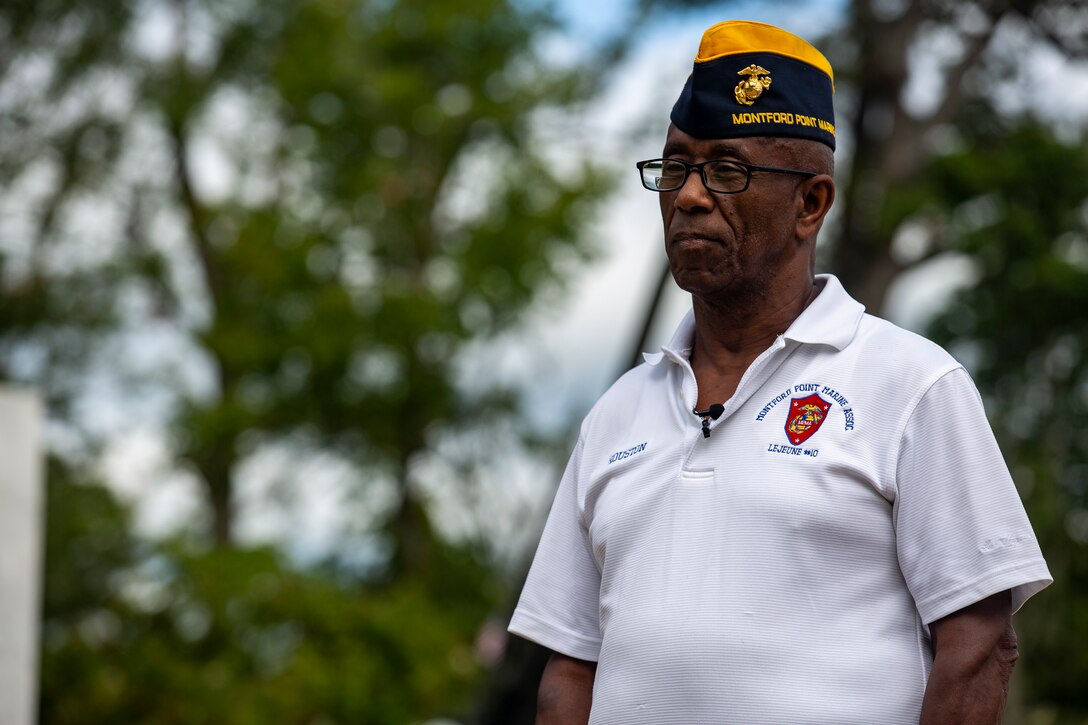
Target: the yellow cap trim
(746, 36)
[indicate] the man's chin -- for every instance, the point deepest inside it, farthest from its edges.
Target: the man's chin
(708, 286)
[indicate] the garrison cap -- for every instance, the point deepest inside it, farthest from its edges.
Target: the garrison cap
(753, 79)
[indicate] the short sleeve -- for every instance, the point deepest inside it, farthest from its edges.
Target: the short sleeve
(961, 530)
(559, 606)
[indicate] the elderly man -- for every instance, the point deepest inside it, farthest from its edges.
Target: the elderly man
(795, 512)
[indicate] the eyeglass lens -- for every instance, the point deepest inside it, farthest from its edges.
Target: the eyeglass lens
(669, 175)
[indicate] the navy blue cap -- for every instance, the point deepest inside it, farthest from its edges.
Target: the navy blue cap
(753, 79)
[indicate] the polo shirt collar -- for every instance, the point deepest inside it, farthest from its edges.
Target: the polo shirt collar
(831, 319)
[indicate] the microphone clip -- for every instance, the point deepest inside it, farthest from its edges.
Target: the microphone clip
(712, 413)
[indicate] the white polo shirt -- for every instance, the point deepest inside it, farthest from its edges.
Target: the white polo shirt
(783, 569)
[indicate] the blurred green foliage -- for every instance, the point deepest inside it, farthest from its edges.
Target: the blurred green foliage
(329, 202)
(1015, 199)
(138, 632)
(385, 204)
(379, 202)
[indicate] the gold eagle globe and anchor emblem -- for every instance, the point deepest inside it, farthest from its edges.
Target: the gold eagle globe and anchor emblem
(806, 416)
(749, 89)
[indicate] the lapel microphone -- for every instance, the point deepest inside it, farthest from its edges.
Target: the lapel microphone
(712, 413)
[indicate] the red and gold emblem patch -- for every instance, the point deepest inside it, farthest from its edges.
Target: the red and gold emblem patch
(806, 416)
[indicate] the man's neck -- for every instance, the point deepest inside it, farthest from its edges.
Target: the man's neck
(731, 333)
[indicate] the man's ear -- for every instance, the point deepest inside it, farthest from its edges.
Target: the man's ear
(815, 197)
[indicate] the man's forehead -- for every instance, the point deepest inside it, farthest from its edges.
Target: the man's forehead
(679, 143)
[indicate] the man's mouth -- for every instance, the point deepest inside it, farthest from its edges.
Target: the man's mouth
(693, 238)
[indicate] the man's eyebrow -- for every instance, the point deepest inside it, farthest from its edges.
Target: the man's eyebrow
(674, 148)
(727, 150)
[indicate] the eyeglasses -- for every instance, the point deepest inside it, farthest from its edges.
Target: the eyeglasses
(723, 177)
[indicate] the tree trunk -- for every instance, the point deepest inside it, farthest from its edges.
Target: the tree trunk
(889, 140)
(885, 151)
(649, 314)
(215, 468)
(510, 695)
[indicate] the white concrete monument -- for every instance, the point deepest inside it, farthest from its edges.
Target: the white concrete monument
(21, 519)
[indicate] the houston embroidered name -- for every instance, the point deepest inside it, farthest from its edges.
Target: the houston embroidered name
(620, 455)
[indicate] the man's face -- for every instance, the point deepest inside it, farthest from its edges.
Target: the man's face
(732, 244)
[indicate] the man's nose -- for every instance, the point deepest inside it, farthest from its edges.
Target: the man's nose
(694, 195)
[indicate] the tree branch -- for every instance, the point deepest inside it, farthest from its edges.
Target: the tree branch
(976, 46)
(195, 213)
(1063, 44)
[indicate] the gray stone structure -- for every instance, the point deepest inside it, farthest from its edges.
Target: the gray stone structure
(21, 520)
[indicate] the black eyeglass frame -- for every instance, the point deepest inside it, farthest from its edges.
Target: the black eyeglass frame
(689, 167)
